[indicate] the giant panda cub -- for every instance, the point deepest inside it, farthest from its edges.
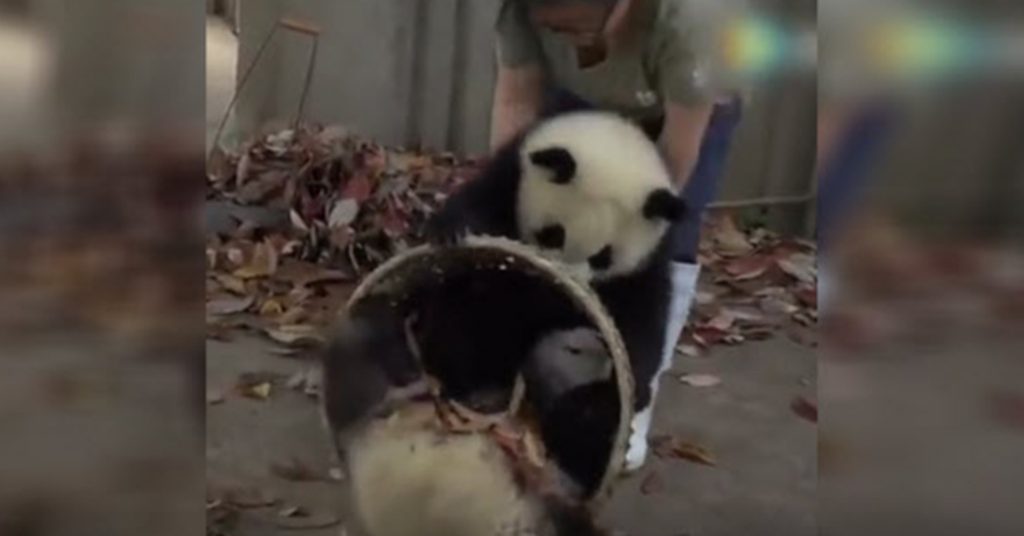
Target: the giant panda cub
(590, 188)
(408, 477)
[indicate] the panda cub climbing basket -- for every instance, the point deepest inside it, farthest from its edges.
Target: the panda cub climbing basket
(416, 271)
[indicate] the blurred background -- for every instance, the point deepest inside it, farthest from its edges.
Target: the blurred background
(101, 148)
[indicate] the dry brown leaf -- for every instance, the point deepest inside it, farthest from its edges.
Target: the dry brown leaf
(534, 449)
(292, 511)
(700, 380)
(271, 307)
(805, 408)
(309, 522)
(722, 321)
(231, 283)
(246, 497)
(211, 259)
(671, 447)
(295, 334)
(256, 385)
(296, 471)
(235, 255)
(652, 484)
(800, 266)
(688, 350)
(228, 305)
(343, 213)
(243, 169)
(751, 267)
(260, 391)
(263, 263)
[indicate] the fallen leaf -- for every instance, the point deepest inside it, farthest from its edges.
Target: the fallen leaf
(296, 471)
(343, 213)
(805, 408)
(777, 306)
(752, 267)
(805, 318)
(243, 169)
(358, 188)
(534, 449)
(722, 321)
(219, 168)
(228, 305)
(271, 307)
(800, 266)
(807, 296)
(262, 264)
(309, 522)
(730, 241)
(235, 256)
(262, 188)
(700, 380)
(308, 381)
(733, 338)
(670, 447)
(292, 511)
(651, 484)
(295, 334)
(248, 498)
(297, 221)
(231, 283)
(688, 350)
(260, 391)
(256, 385)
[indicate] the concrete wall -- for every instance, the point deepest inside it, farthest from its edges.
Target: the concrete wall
(422, 71)
(401, 71)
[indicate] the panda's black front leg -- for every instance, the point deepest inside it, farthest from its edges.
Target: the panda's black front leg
(444, 229)
(486, 205)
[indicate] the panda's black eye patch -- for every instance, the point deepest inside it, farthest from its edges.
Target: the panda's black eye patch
(558, 160)
(551, 237)
(601, 260)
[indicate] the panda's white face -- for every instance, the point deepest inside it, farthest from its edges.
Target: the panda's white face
(594, 190)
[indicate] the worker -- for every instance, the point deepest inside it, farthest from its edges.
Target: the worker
(638, 58)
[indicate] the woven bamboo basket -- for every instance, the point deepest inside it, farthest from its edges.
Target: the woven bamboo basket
(400, 275)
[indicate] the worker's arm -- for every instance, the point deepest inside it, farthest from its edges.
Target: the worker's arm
(517, 101)
(681, 138)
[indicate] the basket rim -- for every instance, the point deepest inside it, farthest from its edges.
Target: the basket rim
(578, 290)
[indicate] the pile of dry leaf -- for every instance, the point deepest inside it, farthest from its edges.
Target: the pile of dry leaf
(754, 285)
(352, 204)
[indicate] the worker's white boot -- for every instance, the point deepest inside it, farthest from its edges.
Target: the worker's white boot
(684, 289)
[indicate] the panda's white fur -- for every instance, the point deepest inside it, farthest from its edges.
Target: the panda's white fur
(408, 479)
(617, 168)
(407, 475)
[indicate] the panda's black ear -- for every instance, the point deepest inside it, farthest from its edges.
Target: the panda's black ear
(558, 160)
(664, 204)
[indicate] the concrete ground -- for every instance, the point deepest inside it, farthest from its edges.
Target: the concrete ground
(764, 482)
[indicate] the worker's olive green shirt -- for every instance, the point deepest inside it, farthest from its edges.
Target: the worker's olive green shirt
(656, 64)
